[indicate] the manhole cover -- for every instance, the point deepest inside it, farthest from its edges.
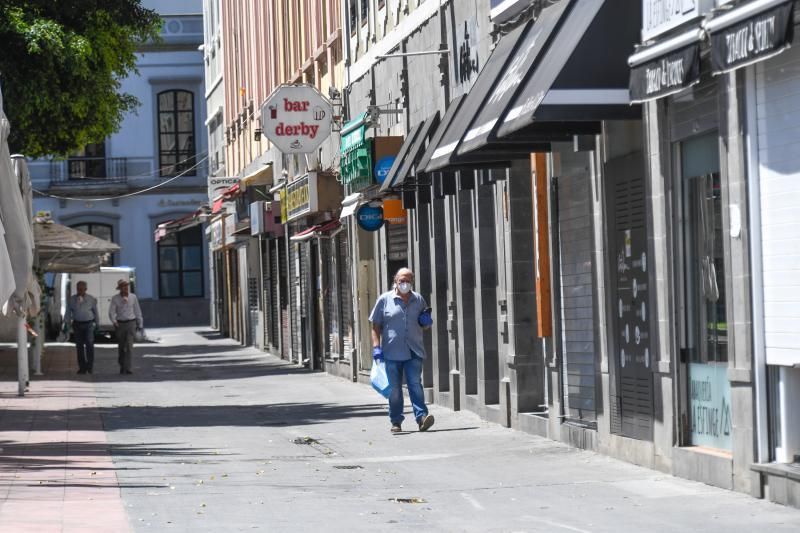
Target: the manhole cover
(305, 440)
(348, 467)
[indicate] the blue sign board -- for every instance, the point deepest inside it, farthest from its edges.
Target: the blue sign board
(370, 218)
(382, 167)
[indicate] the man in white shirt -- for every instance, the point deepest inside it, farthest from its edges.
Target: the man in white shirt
(126, 316)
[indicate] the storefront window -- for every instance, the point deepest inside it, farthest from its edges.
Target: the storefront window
(705, 338)
(180, 264)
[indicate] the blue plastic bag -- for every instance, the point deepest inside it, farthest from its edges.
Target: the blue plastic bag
(379, 379)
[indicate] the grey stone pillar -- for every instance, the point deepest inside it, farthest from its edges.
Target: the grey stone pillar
(737, 258)
(420, 217)
(440, 355)
(464, 262)
(521, 352)
(485, 263)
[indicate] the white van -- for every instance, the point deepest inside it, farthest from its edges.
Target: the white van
(102, 285)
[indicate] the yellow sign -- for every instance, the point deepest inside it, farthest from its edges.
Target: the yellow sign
(284, 212)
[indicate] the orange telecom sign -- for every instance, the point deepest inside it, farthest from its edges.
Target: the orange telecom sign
(296, 118)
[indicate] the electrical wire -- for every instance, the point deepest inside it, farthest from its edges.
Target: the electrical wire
(126, 195)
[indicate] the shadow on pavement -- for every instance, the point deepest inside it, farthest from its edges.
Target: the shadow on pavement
(158, 363)
(143, 417)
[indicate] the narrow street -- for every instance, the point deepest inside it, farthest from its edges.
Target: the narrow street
(209, 436)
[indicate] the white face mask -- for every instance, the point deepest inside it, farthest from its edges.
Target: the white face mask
(404, 287)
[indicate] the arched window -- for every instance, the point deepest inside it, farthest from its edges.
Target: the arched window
(176, 132)
(180, 264)
(101, 231)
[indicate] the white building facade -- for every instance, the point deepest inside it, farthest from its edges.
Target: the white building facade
(153, 170)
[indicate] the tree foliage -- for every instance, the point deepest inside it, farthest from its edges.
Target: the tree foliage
(61, 63)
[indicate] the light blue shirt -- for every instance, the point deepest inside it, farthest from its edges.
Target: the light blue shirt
(401, 333)
(81, 309)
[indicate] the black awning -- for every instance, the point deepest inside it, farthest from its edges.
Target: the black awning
(666, 68)
(475, 100)
(415, 152)
(749, 33)
(401, 157)
(513, 77)
(583, 75)
(447, 119)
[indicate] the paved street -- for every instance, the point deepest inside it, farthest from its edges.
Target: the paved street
(209, 436)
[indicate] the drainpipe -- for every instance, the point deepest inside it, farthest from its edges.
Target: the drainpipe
(757, 270)
(444, 62)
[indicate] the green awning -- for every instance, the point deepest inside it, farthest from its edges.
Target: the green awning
(356, 165)
(353, 133)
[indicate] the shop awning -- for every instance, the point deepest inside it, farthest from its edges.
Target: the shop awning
(178, 224)
(229, 194)
(261, 176)
(313, 231)
(438, 135)
(522, 50)
(749, 33)
(355, 165)
(62, 249)
(399, 160)
(349, 205)
(304, 235)
(583, 76)
(328, 227)
(416, 151)
(665, 68)
(476, 99)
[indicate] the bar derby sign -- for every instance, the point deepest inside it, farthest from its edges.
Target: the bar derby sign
(296, 118)
(743, 35)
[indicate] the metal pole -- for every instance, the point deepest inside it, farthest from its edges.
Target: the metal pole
(22, 356)
(37, 344)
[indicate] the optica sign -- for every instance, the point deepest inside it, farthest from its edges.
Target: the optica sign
(369, 218)
(296, 118)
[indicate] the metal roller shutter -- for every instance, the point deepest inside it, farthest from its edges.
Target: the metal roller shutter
(777, 87)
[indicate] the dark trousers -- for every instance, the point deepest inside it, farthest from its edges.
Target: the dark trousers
(84, 344)
(125, 335)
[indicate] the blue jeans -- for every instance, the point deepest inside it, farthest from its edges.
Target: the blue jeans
(412, 369)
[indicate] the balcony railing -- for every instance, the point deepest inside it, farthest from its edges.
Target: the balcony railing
(93, 172)
(89, 170)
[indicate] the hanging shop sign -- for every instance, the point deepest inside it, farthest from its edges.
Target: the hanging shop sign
(382, 168)
(370, 217)
(312, 193)
(666, 74)
(257, 218)
(217, 235)
(230, 229)
(742, 36)
(296, 118)
(218, 185)
(300, 197)
(393, 212)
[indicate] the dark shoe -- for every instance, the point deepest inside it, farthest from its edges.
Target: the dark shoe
(81, 371)
(90, 371)
(426, 422)
(396, 428)
(121, 371)
(129, 372)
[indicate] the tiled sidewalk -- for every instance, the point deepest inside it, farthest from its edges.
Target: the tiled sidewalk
(56, 472)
